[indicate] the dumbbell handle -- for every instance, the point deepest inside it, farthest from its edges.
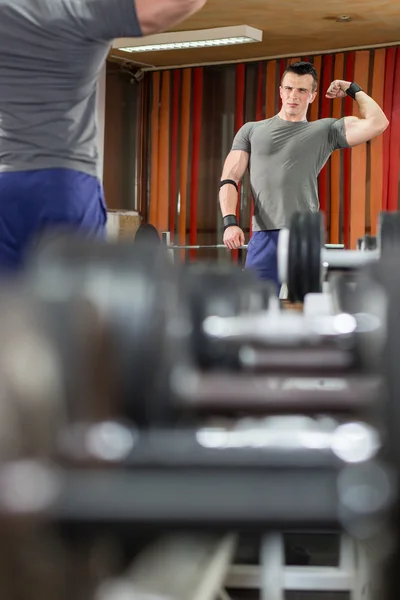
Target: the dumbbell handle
(281, 329)
(342, 259)
(230, 393)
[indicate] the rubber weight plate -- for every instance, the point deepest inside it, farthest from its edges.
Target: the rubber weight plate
(304, 277)
(389, 232)
(294, 259)
(316, 242)
(125, 316)
(305, 243)
(223, 290)
(147, 233)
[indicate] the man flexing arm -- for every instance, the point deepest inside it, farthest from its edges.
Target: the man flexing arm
(373, 121)
(234, 168)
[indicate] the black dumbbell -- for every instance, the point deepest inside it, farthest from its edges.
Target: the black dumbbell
(302, 256)
(224, 290)
(305, 243)
(116, 314)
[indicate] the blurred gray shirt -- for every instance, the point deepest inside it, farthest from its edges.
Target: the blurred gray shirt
(51, 56)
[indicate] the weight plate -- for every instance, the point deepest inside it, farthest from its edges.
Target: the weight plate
(294, 260)
(147, 233)
(125, 326)
(316, 242)
(305, 243)
(224, 290)
(389, 232)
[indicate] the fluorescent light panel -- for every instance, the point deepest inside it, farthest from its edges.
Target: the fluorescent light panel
(182, 40)
(185, 45)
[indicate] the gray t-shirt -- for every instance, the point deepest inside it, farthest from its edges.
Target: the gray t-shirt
(285, 161)
(51, 56)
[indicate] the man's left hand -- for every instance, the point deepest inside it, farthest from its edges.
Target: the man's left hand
(337, 89)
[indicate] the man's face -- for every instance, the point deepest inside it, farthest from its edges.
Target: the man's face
(297, 93)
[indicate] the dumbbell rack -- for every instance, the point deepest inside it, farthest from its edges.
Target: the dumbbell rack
(190, 567)
(213, 458)
(273, 578)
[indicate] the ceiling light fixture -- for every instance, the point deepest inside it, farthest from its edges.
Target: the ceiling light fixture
(182, 40)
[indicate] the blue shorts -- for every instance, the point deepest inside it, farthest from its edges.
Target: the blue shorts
(33, 202)
(262, 255)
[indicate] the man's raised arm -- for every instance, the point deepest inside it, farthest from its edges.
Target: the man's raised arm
(159, 15)
(373, 121)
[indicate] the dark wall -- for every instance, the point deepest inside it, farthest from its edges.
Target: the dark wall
(120, 141)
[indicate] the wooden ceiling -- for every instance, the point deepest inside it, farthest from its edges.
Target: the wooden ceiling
(291, 28)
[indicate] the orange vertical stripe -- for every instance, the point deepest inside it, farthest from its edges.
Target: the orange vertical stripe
(197, 111)
(184, 155)
(154, 148)
(164, 153)
(271, 90)
(141, 159)
(376, 145)
(314, 110)
(337, 107)
(359, 159)
(176, 89)
(394, 148)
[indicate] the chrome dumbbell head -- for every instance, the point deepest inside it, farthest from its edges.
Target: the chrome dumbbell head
(220, 290)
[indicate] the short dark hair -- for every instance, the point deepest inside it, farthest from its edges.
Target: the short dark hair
(302, 68)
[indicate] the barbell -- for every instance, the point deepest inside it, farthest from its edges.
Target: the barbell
(303, 258)
(166, 240)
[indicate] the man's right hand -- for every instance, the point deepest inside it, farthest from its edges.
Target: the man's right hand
(233, 237)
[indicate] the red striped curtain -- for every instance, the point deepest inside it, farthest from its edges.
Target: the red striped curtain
(195, 114)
